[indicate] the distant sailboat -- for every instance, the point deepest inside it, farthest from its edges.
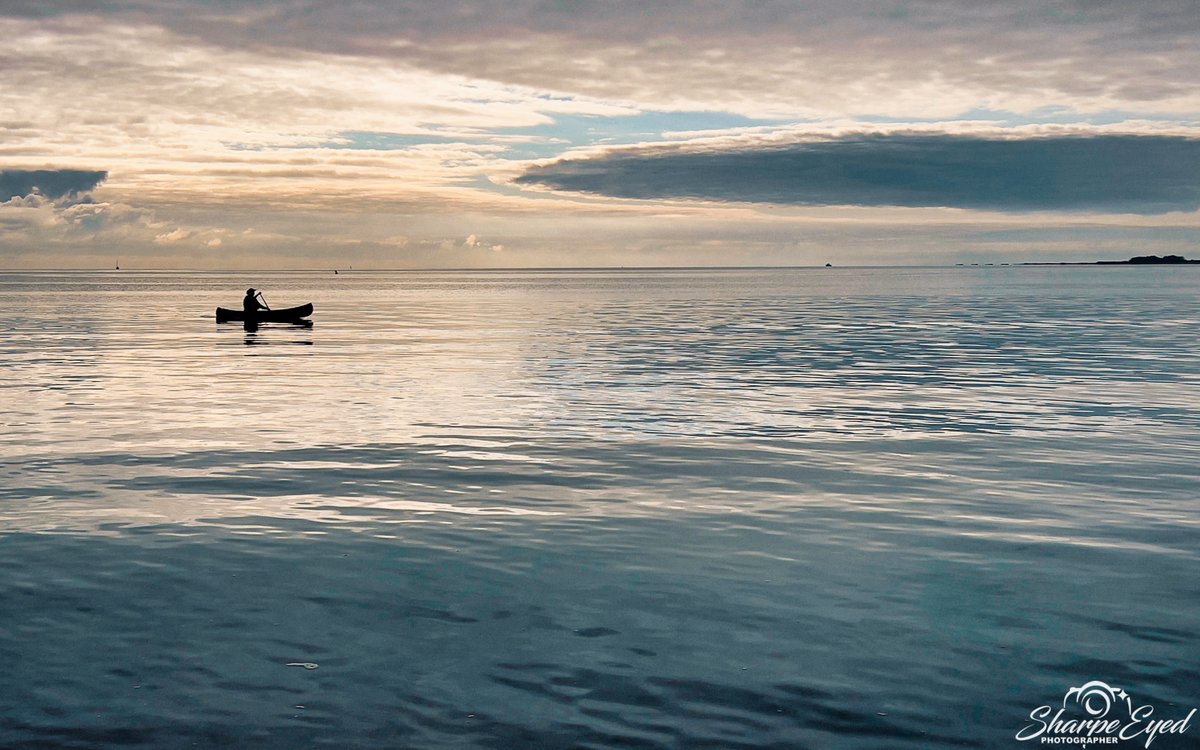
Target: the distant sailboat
(118, 264)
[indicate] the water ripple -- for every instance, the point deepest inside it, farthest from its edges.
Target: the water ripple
(740, 509)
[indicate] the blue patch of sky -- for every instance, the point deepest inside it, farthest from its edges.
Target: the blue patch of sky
(571, 131)
(361, 140)
(565, 132)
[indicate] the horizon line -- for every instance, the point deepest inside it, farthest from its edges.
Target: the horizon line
(445, 269)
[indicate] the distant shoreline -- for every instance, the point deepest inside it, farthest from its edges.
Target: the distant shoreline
(1140, 260)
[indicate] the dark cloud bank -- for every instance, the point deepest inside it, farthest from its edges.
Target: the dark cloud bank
(1138, 174)
(52, 183)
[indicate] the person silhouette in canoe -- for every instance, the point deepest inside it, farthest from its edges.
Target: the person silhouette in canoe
(251, 304)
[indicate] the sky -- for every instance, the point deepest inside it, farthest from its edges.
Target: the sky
(557, 133)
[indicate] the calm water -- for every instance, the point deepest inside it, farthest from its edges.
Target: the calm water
(845, 508)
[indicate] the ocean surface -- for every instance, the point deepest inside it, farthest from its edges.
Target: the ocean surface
(774, 508)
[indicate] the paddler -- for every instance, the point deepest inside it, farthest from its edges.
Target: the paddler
(250, 303)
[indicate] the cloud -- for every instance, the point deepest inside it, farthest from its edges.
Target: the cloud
(175, 235)
(42, 208)
(324, 124)
(54, 184)
(475, 242)
(189, 122)
(1120, 173)
(753, 56)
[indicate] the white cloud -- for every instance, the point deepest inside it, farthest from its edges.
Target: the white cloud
(175, 235)
(33, 200)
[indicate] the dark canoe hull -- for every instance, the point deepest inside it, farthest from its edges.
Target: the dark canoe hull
(286, 315)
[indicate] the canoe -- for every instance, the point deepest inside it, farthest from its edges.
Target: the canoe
(285, 315)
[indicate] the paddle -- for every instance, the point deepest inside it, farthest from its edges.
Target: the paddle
(264, 300)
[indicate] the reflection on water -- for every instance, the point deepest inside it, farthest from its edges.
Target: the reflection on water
(251, 329)
(840, 508)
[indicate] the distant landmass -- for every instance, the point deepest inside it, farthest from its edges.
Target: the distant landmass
(1144, 259)
(1139, 260)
